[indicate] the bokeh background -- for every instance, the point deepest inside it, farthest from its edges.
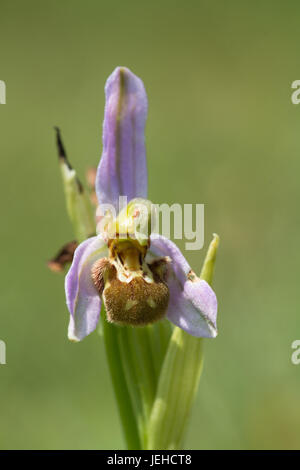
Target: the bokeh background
(221, 131)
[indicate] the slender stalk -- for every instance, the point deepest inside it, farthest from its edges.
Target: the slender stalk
(144, 371)
(132, 379)
(159, 336)
(123, 398)
(142, 353)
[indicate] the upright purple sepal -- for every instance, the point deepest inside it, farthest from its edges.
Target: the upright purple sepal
(123, 170)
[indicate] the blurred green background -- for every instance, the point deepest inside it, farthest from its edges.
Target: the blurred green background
(221, 131)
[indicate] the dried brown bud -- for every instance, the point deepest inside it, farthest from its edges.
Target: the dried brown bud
(64, 256)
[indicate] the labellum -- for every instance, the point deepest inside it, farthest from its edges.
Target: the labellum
(134, 291)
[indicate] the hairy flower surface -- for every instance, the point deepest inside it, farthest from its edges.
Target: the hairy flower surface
(140, 277)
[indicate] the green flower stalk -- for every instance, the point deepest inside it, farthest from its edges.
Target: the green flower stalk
(154, 309)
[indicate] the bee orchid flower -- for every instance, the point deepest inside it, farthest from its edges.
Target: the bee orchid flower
(140, 281)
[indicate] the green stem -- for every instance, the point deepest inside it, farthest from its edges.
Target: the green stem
(159, 336)
(123, 398)
(132, 378)
(140, 353)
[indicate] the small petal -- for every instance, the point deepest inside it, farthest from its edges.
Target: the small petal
(82, 296)
(123, 169)
(193, 303)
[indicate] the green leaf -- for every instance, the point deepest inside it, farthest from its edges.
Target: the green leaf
(142, 353)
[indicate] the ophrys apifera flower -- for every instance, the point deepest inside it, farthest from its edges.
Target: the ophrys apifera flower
(140, 279)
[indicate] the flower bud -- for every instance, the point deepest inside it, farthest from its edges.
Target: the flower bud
(78, 204)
